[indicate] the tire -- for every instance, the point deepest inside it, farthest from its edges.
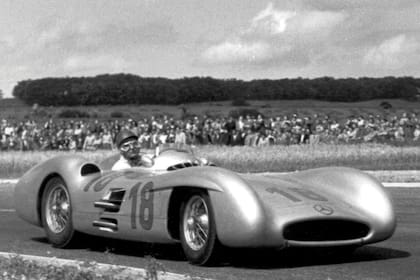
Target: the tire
(198, 229)
(56, 214)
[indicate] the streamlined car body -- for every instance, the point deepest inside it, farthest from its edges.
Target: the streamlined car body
(181, 198)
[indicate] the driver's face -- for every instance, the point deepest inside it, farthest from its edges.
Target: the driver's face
(130, 149)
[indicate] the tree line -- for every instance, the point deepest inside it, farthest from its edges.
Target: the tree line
(131, 89)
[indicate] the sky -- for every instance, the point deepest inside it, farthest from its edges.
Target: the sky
(227, 39)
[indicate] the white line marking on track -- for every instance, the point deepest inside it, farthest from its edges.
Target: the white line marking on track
(401, 185)
(138, 273)
(7, 210)
(8, 181)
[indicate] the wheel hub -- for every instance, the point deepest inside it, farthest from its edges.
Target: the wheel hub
(57, 209)
(196, 223)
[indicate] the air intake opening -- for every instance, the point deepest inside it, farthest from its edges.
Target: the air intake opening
(89, 168)
(325, 230)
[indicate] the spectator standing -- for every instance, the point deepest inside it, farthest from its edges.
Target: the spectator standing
(230, 127)
(416, 133)
(239, 124)
(9, 129)
(107, 140)
(88, 144)
(144, 139)
(97, 142)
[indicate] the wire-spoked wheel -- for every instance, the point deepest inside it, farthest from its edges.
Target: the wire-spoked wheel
(56, 213)
(198, 229)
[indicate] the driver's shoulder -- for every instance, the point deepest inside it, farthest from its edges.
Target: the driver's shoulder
(121, 163)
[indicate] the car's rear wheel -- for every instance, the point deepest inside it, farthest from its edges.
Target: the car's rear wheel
(198, 229)
(56, 213)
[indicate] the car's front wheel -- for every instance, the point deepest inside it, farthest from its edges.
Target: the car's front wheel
(56, 213)
(198, 229)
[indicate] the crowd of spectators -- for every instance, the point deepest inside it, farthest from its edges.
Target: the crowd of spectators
(244, 130)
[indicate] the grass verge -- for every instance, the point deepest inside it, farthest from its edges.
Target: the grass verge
(15, 266)
(300, 157)
(397, 176)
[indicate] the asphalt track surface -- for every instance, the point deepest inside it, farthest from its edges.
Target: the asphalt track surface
(396, 258)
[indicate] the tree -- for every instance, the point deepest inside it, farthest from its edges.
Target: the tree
(1, 94)
(108, 89)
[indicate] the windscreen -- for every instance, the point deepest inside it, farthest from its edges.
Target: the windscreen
(179, 147)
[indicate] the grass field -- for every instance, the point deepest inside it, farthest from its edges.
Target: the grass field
(16, 110)
(251, 159)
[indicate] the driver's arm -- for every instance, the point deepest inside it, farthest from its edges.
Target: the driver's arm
(147, 160)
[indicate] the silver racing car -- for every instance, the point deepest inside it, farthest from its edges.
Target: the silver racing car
(182, 198)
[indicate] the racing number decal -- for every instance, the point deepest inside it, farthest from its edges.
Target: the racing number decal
(133, 196)
(302, 192)
(146, 205)
(101, 183)
(283, 193)
(309, 194)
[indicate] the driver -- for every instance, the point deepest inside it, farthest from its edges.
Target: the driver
(129, 148)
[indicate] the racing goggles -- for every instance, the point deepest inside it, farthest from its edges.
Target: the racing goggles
(130, 145)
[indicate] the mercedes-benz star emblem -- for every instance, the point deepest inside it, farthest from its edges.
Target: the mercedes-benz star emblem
(325, 210)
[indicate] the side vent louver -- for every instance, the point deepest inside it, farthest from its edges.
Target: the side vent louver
(106, 224)
(111, 202)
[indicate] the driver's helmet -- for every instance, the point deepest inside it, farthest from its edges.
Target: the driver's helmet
(124, 136)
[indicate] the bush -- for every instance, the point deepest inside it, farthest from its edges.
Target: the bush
(244, 112)
(385, 105)
(73, 113)
(117, 114)
(239, 102)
